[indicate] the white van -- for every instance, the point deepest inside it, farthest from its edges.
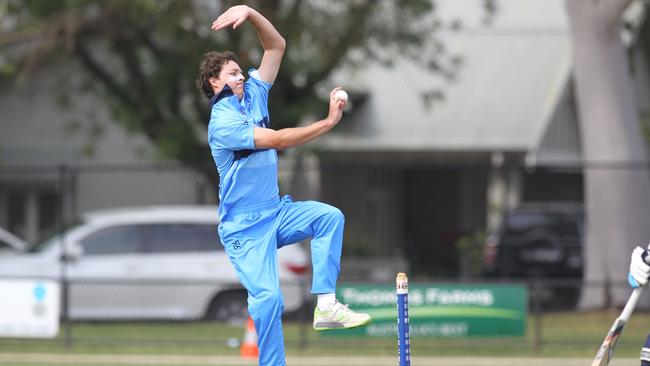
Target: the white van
(151, 263)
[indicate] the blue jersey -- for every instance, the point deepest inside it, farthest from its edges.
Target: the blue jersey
(248, 179)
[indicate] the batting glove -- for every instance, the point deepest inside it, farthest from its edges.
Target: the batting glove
(639, 269)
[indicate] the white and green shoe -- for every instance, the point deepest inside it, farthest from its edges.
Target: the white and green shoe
(339, 316)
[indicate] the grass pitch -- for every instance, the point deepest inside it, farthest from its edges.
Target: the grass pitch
(568, 338)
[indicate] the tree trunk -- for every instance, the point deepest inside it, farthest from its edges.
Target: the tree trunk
(617, 185)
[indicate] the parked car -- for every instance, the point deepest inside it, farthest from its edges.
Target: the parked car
(151, 263)
(539, 240)
(10, 243)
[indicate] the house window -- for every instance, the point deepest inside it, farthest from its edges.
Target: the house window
(30, 212)
(48, 211)
(16, 213)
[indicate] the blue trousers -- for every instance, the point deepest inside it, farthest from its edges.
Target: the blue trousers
(251, 240)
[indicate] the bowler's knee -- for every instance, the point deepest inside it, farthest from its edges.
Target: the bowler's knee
(271, 299)
(335, 215)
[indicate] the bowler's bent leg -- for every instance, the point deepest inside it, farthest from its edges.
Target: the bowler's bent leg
(324, 223)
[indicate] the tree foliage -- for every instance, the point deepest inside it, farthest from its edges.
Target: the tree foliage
(144, 54)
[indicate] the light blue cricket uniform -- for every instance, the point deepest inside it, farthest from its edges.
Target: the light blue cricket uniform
(255, 221)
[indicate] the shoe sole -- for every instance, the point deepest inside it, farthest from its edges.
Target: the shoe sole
(324, 326)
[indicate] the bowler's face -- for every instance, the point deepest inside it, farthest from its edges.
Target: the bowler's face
(232, 76)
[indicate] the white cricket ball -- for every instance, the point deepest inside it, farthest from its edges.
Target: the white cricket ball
(341, 95)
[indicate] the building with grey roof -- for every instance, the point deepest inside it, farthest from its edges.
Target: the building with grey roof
(413, 177)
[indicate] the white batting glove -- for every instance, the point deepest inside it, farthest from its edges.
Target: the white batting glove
(639, 269)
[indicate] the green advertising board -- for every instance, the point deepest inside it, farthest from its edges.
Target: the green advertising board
(440, 310)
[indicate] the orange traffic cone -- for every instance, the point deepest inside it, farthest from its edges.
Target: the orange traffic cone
(249, 345)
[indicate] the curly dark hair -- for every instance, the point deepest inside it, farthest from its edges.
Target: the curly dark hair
(210, 68)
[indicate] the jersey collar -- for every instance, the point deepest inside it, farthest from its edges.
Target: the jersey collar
(224, 93)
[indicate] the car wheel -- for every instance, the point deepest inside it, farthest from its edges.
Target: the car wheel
(230, 306)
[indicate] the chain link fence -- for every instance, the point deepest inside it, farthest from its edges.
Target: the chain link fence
(168, 305)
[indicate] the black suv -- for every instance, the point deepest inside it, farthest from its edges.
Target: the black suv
(539, 240)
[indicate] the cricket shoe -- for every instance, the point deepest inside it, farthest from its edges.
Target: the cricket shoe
(339, 316)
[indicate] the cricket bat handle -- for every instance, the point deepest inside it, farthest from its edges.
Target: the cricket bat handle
(631, 304)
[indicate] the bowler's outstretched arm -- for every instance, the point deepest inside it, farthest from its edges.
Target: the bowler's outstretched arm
(272, 41)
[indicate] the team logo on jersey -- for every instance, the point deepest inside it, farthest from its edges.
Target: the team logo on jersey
(236, 244)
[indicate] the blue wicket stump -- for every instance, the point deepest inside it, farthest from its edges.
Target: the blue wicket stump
(403, 340)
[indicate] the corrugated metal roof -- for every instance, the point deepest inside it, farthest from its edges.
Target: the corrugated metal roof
(510, 14)
(505, 93)
(560, 145)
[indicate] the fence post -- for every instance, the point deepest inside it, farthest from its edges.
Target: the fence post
(537, 312)
(63, 223)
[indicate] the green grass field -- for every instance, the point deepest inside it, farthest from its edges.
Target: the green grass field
(568, 336)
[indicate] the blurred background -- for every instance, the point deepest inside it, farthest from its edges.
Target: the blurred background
(486, 143)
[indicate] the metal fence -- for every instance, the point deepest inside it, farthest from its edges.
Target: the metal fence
(547, 301)
(36, 200)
